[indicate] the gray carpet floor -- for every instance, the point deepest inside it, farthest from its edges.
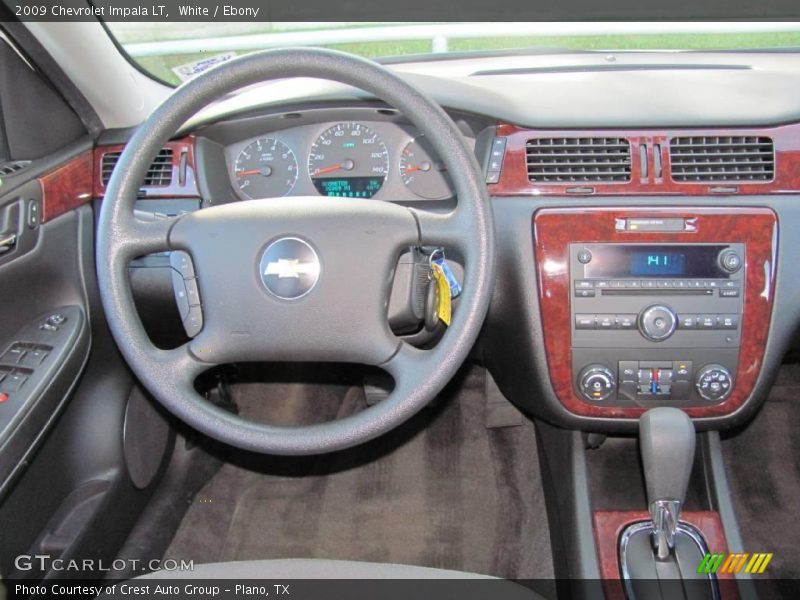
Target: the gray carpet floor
(441, 491)
(763, 466)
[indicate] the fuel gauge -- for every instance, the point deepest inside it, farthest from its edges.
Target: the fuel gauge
(423, 174)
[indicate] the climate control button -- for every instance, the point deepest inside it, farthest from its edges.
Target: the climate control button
(657, 322)
(596, 382)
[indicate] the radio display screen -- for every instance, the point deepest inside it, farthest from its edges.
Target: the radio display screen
(635, 260)
(660, 263)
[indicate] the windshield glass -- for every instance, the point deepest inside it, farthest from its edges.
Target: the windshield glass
(175, 52)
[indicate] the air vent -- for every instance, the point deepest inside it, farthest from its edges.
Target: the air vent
(722, 159)
(159, 173)
(579, 160)
(13, 167)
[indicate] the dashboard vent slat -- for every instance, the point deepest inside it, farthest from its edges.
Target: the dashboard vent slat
(13, 167)
(716, 159)
(159, 173)
(578, 160)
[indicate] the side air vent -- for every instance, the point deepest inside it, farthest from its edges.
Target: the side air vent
(579, 160)
(159, 173)
(706, 159)
(13, 167)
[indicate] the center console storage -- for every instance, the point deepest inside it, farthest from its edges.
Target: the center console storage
(650, 307)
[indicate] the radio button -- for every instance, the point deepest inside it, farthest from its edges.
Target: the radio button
(626, 321)
(584, 284)
(680, 283)
(584, 321)
(728, 321)
(648, 284)
(584, 293)
(584, 256)
(729, 293)
(633, 284)
(603, 284)
(687, 321)
(707, 321)
(606, 322)
(665, 283)
(617, 283)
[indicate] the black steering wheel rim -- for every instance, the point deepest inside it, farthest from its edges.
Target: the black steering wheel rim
(419, 375)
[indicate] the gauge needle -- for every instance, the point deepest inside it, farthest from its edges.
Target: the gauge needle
(425, 166)
(246, 173)
(347, 165)
(328, 169)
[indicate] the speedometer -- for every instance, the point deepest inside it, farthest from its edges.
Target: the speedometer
(266, 168)
(348, 160)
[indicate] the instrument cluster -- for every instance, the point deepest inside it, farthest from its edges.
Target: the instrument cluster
(349, 159)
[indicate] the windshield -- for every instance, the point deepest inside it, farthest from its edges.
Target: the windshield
(175, 52)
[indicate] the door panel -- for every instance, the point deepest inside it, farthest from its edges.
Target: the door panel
(44, 327)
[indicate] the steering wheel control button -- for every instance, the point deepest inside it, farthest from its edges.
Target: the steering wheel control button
(289, 268)
(730, 261)
(657, 322)
(596, 383)
(181, 298)
(182, 263)
(714, 383)
(193, 323)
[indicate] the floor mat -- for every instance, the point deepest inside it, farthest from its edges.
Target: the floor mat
(441, 491)
(763, 466)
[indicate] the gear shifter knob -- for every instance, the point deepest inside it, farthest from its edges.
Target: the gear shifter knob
(666, 442)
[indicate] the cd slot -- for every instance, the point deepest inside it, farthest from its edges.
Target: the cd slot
(657, 292)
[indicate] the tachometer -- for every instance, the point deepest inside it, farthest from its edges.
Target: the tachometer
(267, 168)
(423, 174)
(348, 160)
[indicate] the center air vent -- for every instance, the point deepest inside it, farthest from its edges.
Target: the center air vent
(579, 160)
(159, 173)
(722, 159)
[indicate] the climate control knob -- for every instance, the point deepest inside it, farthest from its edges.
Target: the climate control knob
(714, 383)
(657, 322)
(596, 382)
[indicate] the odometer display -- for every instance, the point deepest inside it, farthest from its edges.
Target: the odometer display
(348, 160)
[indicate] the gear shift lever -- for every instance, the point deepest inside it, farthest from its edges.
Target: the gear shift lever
(666, 443)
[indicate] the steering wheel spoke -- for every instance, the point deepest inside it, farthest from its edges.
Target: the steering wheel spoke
(139, 237)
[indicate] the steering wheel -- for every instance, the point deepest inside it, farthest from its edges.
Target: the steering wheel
(348, 250)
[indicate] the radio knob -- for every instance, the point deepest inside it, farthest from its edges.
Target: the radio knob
(714, 383)
(657, 322)
(596, 382)
(729, 261)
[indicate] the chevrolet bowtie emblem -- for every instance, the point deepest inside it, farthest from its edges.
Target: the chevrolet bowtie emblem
(291, 267)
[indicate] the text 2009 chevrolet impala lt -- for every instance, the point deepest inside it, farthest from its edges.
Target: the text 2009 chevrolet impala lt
(505, 311)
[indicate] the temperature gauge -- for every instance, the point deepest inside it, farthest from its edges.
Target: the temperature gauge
(423, 174)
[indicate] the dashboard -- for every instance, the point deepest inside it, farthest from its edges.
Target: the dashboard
(557, 192)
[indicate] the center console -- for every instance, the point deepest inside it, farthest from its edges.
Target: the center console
(655, 307)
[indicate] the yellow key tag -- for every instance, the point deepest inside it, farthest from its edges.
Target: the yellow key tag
(443, 310)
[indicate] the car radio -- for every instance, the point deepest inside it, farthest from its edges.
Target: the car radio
(655, 323)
